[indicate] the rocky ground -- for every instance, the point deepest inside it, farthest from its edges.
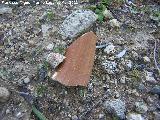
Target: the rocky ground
(125, 80)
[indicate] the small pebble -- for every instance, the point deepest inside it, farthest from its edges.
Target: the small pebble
(142, 88)
(155, 90)
(146, 59)
(123, 80)
(26, 80)
(4, 94)
(101, 116)
(74, 117)
(114, 23)
(134, 116)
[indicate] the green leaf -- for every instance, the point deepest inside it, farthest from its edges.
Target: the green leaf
(38, 113)
(97, 11)
(93, 8)
(100, 17)
(50, 15)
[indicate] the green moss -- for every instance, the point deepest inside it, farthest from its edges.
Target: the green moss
(59, 49)
(135, 75)
(40, 90)
(50, 15)
(82, 92)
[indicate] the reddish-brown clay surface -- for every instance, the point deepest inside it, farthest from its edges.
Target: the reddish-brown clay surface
(77, 67)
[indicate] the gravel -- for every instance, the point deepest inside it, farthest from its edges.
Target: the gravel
(116, 107)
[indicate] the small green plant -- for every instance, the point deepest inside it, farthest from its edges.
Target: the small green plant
(135, 74)
(50, 15)
(40, 90)
(100, 8)
(156, 14)
(82, 92)
(46, 65)
(59, 49)
(106, 2)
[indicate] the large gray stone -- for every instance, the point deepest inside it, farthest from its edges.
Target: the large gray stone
(76, 23)
(116, 107)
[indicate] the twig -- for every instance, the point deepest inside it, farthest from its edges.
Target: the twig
(155, 62)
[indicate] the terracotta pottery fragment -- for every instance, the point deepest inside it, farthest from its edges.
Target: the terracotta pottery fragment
(77, 67)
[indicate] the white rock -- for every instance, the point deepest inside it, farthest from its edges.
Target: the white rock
(149, 77)
(109, 48)
(76, 23)
(114, 23)
(129, 64)
(146, 59)
(50, 47)
(26, 80)
(121, 54)
(55, 59)
(107, 14)
(110, 66)
(4, 94)
(123, 80)
(4, 10)
(134, 116)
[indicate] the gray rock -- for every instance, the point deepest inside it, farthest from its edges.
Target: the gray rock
(157, 116)
(142, 88)
(55, 59)
(141, 107)
(4, 10)
(134, 116)
(76, 23)
(45, 28)
(4, 94)
(42, 72)
(155, 90)
(116, 107)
